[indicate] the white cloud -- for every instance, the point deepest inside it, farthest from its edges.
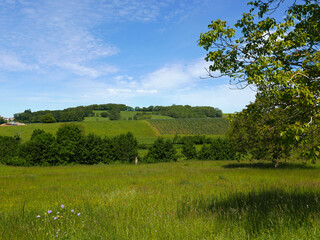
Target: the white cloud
(176, 76)
(11, 62)
(167, 78)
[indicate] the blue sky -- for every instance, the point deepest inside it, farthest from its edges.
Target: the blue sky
(65, 53)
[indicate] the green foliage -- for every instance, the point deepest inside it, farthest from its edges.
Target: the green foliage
(125, 147)
(36, 132)
(48, 118)
(161, 151)
(2, 120)
(189, 150)
(142, 116)
(69, 147)
(180, 111)
(114, 114)
(71, 141)
(41, 150)
(281, 59)
(218, 149)
(8, 148)
(104, 114)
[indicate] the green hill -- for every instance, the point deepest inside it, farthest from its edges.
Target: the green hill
(141, 129)
(125, 115)
(146, 131)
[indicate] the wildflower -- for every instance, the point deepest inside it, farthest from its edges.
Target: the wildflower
(49, 211)
(57, 212)
(55, 218)
(38, 216)
(78, 214)
(62, 206)
(72, 210)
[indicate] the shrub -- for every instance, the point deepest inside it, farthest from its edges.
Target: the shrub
(218, 149)
(188, 150)
(42, 150)
(9, 147)
(104, 114)
(161, 151)
(125, 147)
(48, 118)
(71, 142)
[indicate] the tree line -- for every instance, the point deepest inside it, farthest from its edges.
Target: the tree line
(71, 146)
(183, 111)
(111, 110)
(68, 146)
(75, 114)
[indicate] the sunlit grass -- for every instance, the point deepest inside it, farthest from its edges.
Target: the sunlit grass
(183, 200)
(141, 129)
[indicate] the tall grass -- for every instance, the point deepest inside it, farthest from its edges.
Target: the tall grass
(182, 200)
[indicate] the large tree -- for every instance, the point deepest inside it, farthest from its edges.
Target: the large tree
(281, 60)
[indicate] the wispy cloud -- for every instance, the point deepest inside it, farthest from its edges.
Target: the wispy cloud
(11, 62)
(64, 34)
(176, 76)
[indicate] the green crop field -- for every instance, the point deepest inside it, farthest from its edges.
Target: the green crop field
(182, 200)
(207, 126)
(144, 131)
(141, 129)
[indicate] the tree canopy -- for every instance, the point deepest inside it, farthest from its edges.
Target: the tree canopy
(281, 60)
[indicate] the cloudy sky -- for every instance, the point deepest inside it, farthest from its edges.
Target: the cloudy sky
(64, 53)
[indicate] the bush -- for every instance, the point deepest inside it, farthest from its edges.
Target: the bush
(48, 118)
(42, 150)
(104, 114)
(125, 147)
(161, 151)
(188, 150)
(71, 142)
(9, 147)
(218, 149)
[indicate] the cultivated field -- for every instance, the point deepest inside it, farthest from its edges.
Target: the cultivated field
(182, 200)
(208, 126)
(145, 131)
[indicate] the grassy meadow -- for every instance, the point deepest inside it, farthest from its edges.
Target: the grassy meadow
(179, 200)
(141, 129)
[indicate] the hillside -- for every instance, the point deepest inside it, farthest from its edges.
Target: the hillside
(146, 131)
(141, 129)
(201, 126)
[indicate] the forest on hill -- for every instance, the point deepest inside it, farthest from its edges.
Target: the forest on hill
(113, 112)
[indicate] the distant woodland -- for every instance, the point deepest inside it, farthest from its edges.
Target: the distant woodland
(113, 112)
